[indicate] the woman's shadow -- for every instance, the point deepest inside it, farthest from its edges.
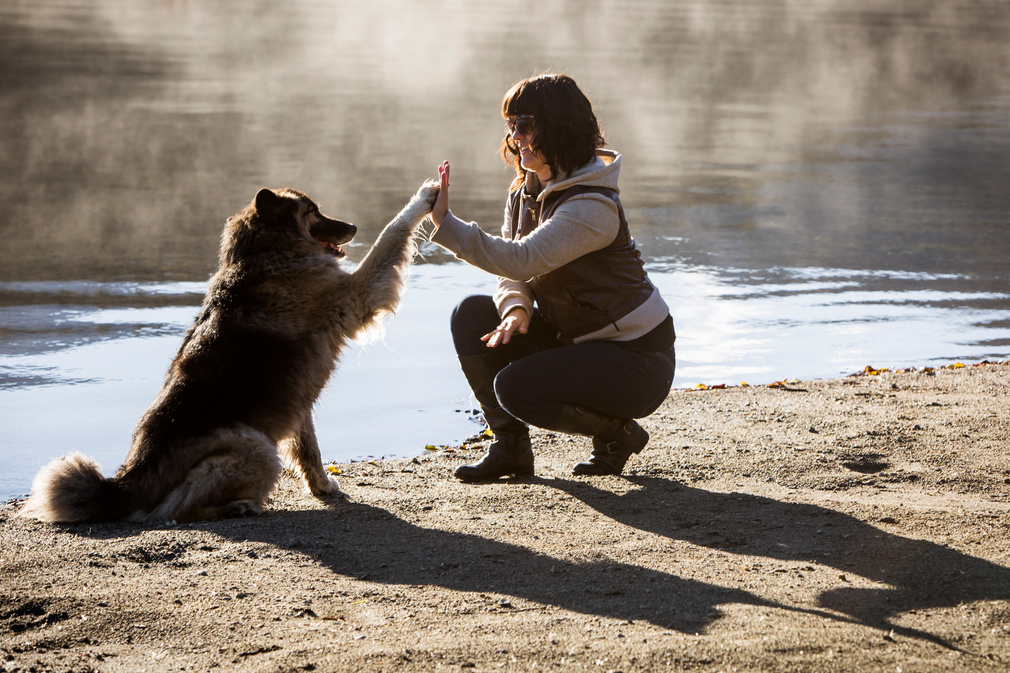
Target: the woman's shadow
(920, 574)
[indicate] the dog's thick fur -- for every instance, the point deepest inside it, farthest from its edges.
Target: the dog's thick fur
(276, 316)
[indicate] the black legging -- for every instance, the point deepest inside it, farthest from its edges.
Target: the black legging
(540, 375)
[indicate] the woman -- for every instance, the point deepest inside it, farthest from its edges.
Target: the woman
(575, 339)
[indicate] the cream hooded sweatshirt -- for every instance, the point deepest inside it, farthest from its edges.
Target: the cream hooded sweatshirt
(582, 224)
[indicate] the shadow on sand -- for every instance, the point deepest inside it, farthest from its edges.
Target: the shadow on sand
(374, 545)
(921, 574)
(371, 544)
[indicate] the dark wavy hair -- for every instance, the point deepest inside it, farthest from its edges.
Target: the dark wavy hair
(566, 132)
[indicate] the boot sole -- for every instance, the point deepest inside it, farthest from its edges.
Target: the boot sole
(489, 479)
(524, 472)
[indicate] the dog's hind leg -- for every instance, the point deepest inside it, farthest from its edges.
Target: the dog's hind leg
(302, 451)
(239, 472)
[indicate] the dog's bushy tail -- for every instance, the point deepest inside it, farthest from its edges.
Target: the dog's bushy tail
(72, 489)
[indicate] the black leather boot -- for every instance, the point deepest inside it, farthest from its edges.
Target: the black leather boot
(508, 455)
(511, 452)
(614, 439)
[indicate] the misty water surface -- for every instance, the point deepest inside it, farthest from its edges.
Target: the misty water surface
(815, 186)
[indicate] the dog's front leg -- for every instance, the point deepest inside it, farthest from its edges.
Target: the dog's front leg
(302, 451)
(379, 278)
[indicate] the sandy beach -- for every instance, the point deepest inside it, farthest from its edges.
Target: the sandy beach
(856, 524)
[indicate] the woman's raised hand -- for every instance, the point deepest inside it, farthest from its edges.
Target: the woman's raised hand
(517, 320)
(441, 207)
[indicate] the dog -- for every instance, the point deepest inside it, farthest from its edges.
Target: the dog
(240, 391)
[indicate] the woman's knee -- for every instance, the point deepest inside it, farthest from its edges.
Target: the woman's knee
(508, 388)
(472, 318)
(520, 391)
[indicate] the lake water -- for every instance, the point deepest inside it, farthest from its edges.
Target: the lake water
(816, 187)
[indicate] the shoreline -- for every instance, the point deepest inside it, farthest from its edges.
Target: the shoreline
(845, 524)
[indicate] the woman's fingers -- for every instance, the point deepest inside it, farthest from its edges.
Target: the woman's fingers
(441, 207)
(494, 338)
(518, 320)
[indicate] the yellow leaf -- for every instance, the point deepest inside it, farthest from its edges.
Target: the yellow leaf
(430, 447)
(333, 469)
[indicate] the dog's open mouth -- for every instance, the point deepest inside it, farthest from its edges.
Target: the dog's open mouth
(332, 234)
(332, 248)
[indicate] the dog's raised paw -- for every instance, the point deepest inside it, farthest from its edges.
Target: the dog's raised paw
(428, 193)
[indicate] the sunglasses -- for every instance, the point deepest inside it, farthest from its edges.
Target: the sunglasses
(522, 125)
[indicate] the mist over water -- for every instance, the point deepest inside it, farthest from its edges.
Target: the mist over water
(815, 186)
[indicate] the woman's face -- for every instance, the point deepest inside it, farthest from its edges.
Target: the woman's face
(522, 130)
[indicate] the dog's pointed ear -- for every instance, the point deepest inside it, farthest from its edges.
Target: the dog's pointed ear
(267, 202)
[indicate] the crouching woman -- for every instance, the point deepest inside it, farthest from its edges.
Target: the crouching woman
(576, 339)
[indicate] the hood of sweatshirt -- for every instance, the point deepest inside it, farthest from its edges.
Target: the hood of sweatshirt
(603, 171)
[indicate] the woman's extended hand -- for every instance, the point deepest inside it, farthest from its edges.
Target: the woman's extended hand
(517, 320)
(441, 207)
